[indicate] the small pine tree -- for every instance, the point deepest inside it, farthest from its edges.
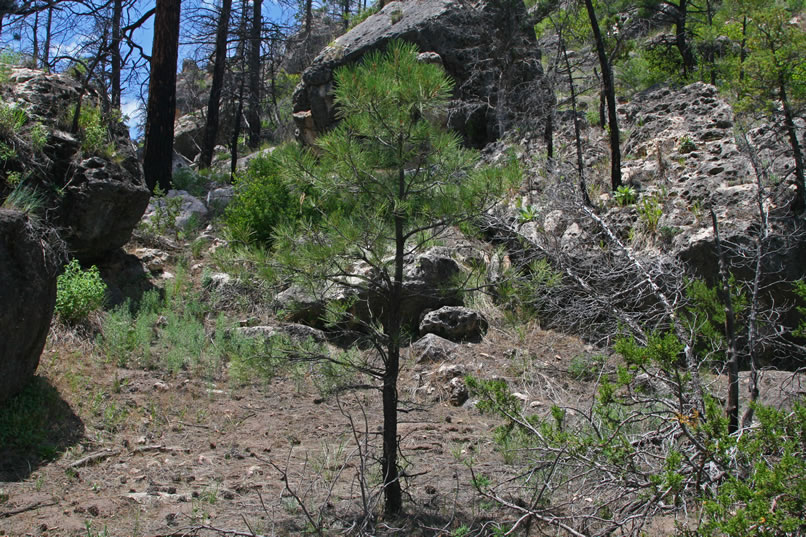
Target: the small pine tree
(398, 180)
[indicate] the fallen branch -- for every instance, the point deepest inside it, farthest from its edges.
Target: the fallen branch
(31, 507)
(161, 448)
(92, 458)
(193, 530)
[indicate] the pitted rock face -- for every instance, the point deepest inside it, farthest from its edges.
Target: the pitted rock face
(487, 47)
(96, 197)
(28, 295)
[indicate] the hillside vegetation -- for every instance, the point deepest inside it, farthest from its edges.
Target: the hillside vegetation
(383, 331)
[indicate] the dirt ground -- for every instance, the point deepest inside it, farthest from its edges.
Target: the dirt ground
(146, 453)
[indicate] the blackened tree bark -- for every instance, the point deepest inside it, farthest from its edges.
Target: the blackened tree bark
(214, 101)
(253, 66)
(610, 95)
(46, 46)
(308, 16)
(681, 38)
(799, 203)
(159, 131)
(117, 15)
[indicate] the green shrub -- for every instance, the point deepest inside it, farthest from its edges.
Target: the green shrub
(196, 183)
(767, 495)
(12, 119)
(650, 211)
(264, 200)
(625, 195)
(78, 292)
(585, 367)
(95, 133)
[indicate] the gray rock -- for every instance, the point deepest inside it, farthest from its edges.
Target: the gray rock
(457, 391)
(101, 205)
(454, 323)
(96, 197)
(487, 46)
(426, 286)
(28, 296)
(191, 208)
(299, 333)
(432, 348)
(219, 198)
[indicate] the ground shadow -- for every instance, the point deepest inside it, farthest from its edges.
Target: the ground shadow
(36, 426)
(125, 277)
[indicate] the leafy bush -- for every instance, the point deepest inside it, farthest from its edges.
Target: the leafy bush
(766, 496)
(12, 119)
(94, 131)
(196, 183)
(78, 292)
(265, 200)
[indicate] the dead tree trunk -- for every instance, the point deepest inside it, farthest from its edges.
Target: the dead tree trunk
(159, 131)
(214, 101)
(610, 95)
(253, 113)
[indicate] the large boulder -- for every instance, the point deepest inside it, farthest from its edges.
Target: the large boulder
(487, 46)
(28, 269)
(427, 285)
(95, 196)
(454, 323)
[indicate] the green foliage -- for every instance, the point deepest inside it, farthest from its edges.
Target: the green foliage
(642, 69)
(78, 292)
(194, 183)
(384, 163)
(767, 495)
(625, 195)
(24, 199)
(12, 119)
(800, 290)
(361, 16)
(94, 132)
(586, 367)
(687, 145)
(166, 211)
(39, 137)
(266, 198)
(520, 294)
(650, 211)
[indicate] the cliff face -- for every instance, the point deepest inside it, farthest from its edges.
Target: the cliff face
(91, 180)
(80, 192)
(488, 48)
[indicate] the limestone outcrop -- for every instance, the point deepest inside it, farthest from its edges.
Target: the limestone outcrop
(488, 47)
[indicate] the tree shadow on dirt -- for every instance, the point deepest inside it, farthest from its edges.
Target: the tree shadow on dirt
(125, 277)
(36, 426)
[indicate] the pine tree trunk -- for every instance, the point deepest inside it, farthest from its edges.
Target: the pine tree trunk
(159, 131)
(46, 47)
(214, 100)
(681, 39)
(391, 478)
(308, 16)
